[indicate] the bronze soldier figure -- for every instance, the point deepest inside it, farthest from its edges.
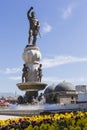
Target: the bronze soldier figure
(25, 72)
(34, 26)
(40, 72)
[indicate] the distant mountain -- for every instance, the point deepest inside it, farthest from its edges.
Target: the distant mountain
(5, 94)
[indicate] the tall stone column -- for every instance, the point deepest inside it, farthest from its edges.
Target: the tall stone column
(31, 77)
(32, 57)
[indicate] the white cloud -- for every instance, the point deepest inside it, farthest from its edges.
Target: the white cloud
(47, 28)
(12, 70)
(74, 81)
(51, 79)
(61, 60)
(48, 63)
(15, 78)
(68, 11)
(56, 80)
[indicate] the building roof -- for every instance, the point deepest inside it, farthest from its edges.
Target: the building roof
(49, 89)
(63, 86)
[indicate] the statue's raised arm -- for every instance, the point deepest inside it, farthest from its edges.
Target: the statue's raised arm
(34, 26)
(28, 13)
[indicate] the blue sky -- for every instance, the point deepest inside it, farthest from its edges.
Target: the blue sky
(63, 42)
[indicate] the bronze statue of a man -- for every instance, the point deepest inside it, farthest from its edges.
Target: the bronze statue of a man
(34, 26)
(25, 72)
(40, 72)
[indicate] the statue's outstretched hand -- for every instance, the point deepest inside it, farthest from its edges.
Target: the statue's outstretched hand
(31, 8)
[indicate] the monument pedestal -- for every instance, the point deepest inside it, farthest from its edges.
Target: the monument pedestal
(32, 73)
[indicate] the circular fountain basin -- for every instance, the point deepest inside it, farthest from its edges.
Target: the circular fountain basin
(31, 86)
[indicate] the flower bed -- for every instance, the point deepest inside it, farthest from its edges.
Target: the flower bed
(67, 121)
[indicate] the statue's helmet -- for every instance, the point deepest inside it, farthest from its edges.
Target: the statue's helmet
(33, 14)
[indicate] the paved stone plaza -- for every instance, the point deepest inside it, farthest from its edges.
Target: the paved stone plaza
(4, 117)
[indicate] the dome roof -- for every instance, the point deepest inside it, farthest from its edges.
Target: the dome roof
(64, 86)
(49, 89)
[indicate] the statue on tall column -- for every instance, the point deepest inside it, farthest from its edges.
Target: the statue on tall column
(34, 27)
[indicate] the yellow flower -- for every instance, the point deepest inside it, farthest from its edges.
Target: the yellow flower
(12, 129)
(35, 128)
(85, 128)
(52, 128)
(29, 128)
(65, 128)
(71, 128)
(77, 128)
